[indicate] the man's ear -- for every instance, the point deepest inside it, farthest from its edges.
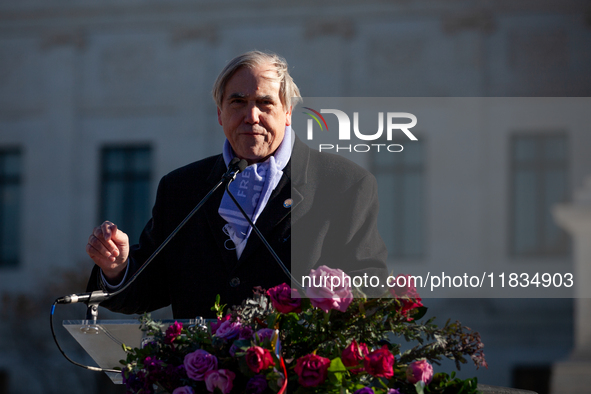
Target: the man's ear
(288, 117)
(220, 116)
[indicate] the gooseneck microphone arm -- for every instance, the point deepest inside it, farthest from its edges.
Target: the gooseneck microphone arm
(235, 166)
(93, 299)
(264, 241)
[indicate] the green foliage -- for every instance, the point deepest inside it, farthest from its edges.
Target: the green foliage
(443, 383)
(373, 322)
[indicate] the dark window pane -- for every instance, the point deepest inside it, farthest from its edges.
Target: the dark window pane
(10, 206)
(125, 189)
(524, 150)
(539, 182)
(400, 187)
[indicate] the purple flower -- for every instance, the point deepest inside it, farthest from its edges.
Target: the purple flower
(152, 364)
(365, 390)
(184, 390)
(173, 332)
(172, 376)
(136, 382)
(265, 333)
(245, 332)
(256, 385)
(228, 330)
(393, 391)
(199, 363)
(154, 369)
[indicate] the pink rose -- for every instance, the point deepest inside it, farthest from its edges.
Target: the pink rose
(405, 291)
(329, 289)
(285, 299)
(258, 359)
(380, 363)
(228, 330)
(216, 325)
(312, 370)
(353, 355)
(222, 379)
(198, 363)
(184, 390)
(419, 371)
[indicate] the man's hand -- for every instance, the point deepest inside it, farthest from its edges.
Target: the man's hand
(108, 247)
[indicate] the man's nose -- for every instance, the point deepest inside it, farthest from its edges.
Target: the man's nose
(252, 114)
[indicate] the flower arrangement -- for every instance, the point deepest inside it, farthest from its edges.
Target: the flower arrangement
(334, 341)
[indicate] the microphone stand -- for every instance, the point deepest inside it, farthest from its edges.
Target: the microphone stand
(93, 299)
(264, 241)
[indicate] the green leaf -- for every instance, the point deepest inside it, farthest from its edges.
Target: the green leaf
(420, 387)
(336, 370)
(420, 312)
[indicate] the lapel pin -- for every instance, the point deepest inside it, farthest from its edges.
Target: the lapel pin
(287, 203)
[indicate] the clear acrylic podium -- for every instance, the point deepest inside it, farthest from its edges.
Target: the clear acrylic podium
(103, 339)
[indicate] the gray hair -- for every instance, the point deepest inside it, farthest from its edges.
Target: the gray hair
(287, 88)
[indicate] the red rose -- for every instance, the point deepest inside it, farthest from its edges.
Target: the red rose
(403, 289)
(380, 363)
(354, 354)
(285, 299)
(312, 370)
(258, 359)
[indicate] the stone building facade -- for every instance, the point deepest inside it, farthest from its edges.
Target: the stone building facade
(82, 81)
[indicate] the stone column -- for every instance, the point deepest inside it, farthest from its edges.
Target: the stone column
(574, 374)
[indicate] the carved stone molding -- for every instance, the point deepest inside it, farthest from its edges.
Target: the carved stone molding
(344, 28)
(57, 39)
(477, 21)
(202, 33)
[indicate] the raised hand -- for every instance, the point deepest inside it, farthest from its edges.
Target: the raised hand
(108, 247)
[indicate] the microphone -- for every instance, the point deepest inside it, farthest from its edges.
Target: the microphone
(95, 296)
(235, 167)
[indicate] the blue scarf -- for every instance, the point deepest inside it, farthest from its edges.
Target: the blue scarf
(252, 189)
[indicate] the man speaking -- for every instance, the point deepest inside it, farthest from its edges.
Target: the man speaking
(328, 203)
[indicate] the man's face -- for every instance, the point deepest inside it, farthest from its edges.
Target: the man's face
(252, 115)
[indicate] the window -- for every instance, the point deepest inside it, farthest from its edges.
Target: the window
(400, 188)
(10, 207)
(125, 188)
(539, 180)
